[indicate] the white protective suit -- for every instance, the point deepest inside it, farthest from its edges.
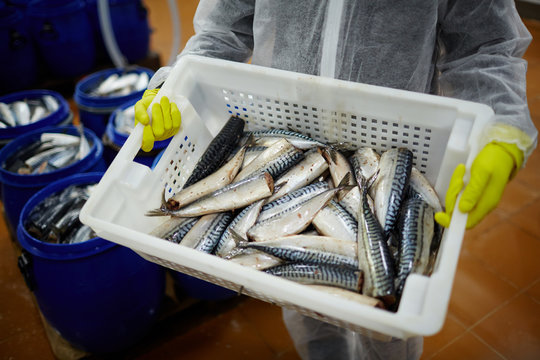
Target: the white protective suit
(466, 49)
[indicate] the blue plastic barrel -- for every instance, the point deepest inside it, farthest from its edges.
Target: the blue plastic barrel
(63, 34)
(62, 115)
(113, 140)
(17, 188)
(200, 289)
(94, 112)
(129, 21)
(18, 61)
(100, 296)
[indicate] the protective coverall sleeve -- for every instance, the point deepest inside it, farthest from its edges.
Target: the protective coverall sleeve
(223, 29)
(482, 44)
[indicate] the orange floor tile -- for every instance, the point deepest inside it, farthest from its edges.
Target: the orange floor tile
(494, 310)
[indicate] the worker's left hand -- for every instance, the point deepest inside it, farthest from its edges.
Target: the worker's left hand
(166, 119)
(490, 172)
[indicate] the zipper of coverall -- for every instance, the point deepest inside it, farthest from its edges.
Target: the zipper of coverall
(330, 38)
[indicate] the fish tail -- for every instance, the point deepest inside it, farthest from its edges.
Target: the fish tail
(157, 212)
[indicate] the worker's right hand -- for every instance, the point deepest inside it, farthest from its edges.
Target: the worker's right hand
(166, 119)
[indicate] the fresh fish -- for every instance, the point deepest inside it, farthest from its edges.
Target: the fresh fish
(240, 225)
(233, 196)
(352, 202)
(174, 229)
(7, 115)
(142, 81)
(256, 259)
(374, 256)
(391, 186)
(302, 174)
(298, 140)
(209, 184)
(416, 227)
(333, 220)
(124, 120)
(38, 113)
(292, 220)
(315, 242)
(420, 187)
(365, 163)
(218, 150)
(81, 234)
(205, 234)
(275, 160)
(56, 218)
(320, 275)
(106, 86)
(50, 103)
(251, 154)
(349, 295)
(22, 112)
(59, 139)
(340, 168)
(290, 200)
(303, 255)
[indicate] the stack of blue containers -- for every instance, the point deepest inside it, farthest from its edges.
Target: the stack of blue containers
(62, 38)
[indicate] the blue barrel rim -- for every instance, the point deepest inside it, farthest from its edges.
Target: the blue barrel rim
(35, 8)
(105, 104)
(118, 138)
(56, 117)
(66, 252)
(18, 180)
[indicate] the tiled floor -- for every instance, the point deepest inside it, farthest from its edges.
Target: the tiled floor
(494, 310)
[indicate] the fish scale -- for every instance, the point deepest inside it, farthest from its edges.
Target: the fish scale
(218, 150)
(391, 186)
(416, 229)
(178, 234)
(209, 242)
(319, 274)
(309, 256)
(373, 254)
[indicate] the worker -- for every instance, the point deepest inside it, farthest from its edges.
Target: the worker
(464, 49)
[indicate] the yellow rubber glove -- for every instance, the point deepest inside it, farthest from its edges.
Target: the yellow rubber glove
(166, 119)
(491, 170)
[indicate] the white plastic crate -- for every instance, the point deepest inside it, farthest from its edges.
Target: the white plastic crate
(441, 132)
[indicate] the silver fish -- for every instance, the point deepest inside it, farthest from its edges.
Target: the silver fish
(333, 220)
(215, 181)
(416, 229)
(352, 202)
(374, 256)
(275, 160)
(218, 150)
(421, 187)
(22, 112)
(292, 220)
(59, 139)
(38, 113)
(319, 274)
(205, 234)
(7, 115)
(302, 174)
(391, 186)
(293, 198)
(300, 141)
(340, 168)
(255, 259)
(365, 162)
(233, 196)
(50, 103)
(315, 242)
(174, 229)
(240, 225)
(303, 255)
